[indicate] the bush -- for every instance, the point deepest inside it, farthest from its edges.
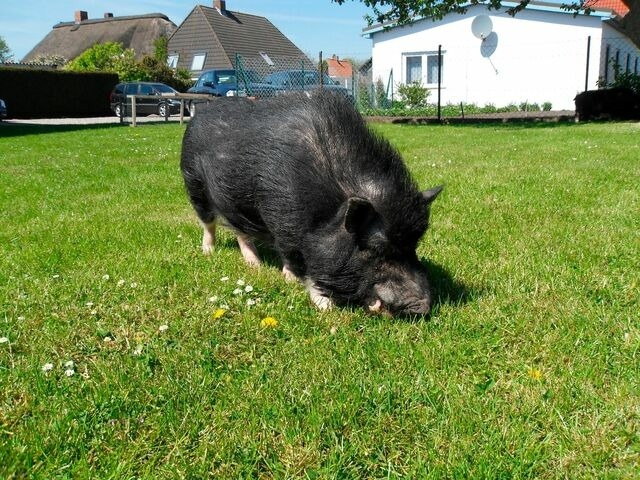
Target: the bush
(413, 94)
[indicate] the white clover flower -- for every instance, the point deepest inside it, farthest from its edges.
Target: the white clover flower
(248, 289)
(4, 340)
(56, 276)
(89, 304)
(107, 339)
(105, 277)
(21, 318)
(240, 282)
(251, 302)
(237, 291)
(121, 282)
(70, 372)
(213, 299)
(134, 285)
(163, 328)
(224, 279)
(138, 350)
(69, 364)
(47, 367)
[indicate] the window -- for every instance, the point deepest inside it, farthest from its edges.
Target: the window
(432, 69)
(414, 70)
(422, 68)
(172, 61)
(198, 61)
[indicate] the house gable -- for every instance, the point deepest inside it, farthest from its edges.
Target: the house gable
(222, 34)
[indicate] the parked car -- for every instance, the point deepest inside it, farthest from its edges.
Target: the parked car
(152, 100)
(3, 109)
(226, 83)
(303, 80)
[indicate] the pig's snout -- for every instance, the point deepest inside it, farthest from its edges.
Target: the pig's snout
(403, 295)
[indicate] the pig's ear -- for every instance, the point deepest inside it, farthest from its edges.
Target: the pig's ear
(431, 194)
(362, 220)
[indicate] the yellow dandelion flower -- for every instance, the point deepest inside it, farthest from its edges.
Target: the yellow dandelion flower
(535, 373)
(269, 322)
(219, 313)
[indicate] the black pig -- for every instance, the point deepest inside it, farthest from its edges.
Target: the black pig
(306, 175)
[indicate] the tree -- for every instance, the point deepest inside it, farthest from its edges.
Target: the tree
(108, 57)
(403, 11)
(5, 51)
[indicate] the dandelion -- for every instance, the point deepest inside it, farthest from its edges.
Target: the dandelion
(237, 291)
(4, 340)
(218, 313)
(163, 328)
(47, 367)
(269, 322)
(248, 289)
(535, 373)
(240, 282)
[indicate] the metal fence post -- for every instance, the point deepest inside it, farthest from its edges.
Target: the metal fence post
(320, 70)
(586, 77)
(439, 81)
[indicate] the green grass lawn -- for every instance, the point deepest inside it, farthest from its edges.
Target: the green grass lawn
(529, 366)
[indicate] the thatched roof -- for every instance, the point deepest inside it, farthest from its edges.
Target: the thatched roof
(70, 39)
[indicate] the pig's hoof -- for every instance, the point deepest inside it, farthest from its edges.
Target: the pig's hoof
(289, 276)
(323, 303)
(207, 249)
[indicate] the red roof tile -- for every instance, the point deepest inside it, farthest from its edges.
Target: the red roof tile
(618, 6)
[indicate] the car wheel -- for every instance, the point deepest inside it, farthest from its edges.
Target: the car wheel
(192, 108)
(163, 110)
(118, 110)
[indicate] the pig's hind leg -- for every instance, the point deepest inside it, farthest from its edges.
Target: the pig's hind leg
(248, 250)
(208, 237)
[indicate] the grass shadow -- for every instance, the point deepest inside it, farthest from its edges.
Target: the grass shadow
(445, 290)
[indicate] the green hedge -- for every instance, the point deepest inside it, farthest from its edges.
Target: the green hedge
(31, 93)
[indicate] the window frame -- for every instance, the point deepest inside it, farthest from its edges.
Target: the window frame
(197, 57)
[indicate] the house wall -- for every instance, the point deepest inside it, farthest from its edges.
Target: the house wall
(534, 57)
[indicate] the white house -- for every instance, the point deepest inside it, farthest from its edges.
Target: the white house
(542, 54)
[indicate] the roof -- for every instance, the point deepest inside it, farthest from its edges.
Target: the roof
(70, 39)
(223, 34)
(339, 68)
(616, 6)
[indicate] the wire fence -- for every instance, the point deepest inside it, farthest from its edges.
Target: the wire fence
(542, 75)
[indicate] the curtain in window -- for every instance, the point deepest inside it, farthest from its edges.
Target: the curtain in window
(414, 69)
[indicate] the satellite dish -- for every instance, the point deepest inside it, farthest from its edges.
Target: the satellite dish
(481, 26)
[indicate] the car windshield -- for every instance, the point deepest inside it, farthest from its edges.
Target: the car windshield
(226, 77)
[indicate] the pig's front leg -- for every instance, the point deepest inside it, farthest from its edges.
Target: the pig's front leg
(248, 250)
(319, 300)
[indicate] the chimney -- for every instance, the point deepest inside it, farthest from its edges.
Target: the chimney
(108, 15)
(81, 16)
(220, 5)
